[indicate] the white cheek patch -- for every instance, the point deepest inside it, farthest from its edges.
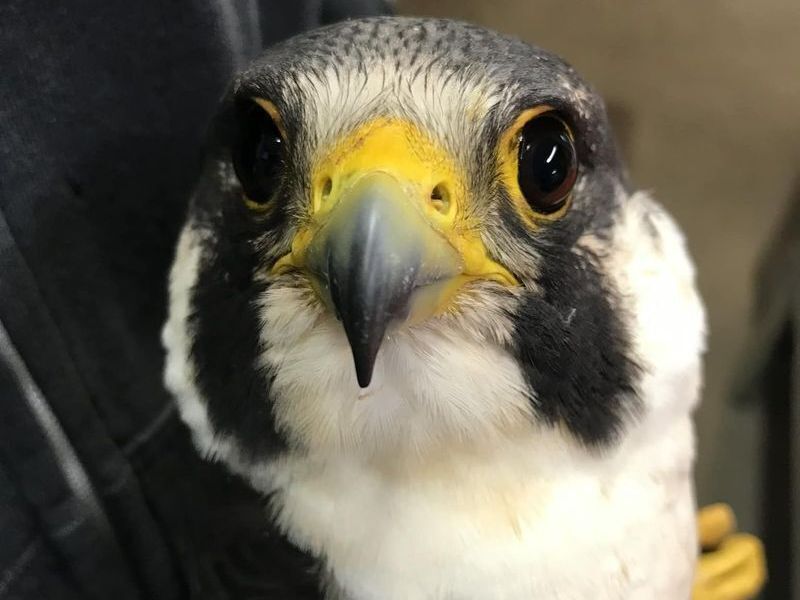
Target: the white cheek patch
(176, 337)
(179, 376)
(431, 384)
(655, 281)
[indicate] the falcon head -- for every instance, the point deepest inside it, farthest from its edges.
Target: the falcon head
(414, 233)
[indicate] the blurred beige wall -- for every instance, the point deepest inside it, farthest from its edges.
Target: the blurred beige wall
(709, 94)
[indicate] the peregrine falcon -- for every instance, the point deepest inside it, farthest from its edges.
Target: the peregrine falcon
(417, 303)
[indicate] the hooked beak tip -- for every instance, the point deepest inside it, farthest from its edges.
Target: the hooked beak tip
(365, 350)
(364, 374)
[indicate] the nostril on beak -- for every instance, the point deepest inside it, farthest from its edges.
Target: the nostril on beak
(327, 187)
(440, 198)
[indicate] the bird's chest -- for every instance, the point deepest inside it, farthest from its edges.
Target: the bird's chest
(480, 532)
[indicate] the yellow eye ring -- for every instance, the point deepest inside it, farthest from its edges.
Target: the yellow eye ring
(538, 164)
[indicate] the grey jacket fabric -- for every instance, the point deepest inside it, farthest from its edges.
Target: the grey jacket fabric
(103, 109)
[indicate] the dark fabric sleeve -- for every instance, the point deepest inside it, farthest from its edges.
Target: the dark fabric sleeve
(104, 106)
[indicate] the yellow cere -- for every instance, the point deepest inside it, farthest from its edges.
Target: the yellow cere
(508, 157)
(399, 149)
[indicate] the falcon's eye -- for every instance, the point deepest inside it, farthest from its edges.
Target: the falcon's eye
(258, 152)
(548, 166)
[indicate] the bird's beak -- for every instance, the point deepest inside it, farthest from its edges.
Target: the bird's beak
(379, 261)
(378, 253)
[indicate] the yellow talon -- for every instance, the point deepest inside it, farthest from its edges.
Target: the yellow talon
(733, 566)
